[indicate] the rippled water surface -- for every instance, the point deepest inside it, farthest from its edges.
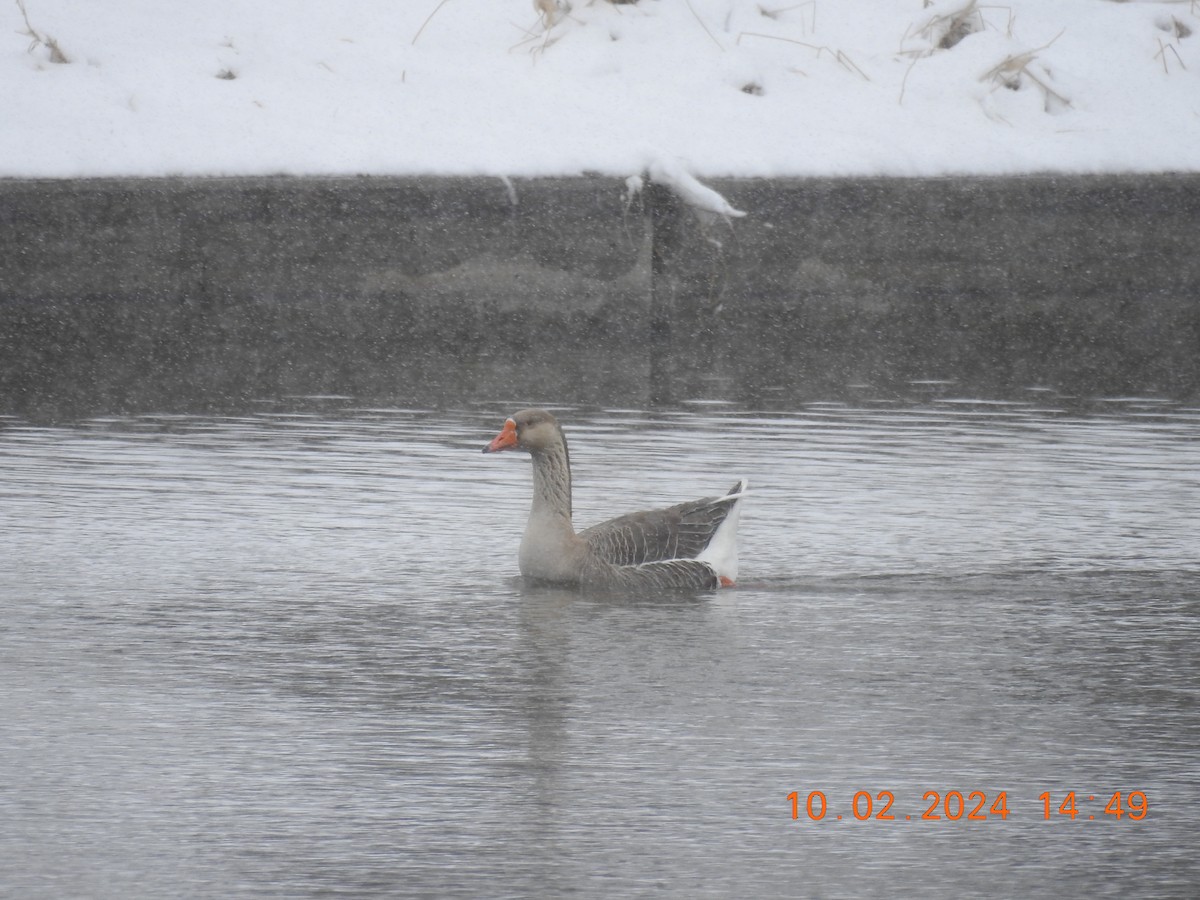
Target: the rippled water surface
(286, 654)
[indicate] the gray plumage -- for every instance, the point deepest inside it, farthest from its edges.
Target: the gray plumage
(657, 549)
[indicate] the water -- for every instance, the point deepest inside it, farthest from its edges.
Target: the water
(285, 654)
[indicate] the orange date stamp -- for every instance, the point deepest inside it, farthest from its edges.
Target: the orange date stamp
(966, 806)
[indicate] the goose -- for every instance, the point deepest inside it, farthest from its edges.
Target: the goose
(687, 546)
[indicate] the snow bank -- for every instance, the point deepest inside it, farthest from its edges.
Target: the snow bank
(510, 87)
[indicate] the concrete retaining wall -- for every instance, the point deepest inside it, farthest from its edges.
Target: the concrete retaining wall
(187, 294)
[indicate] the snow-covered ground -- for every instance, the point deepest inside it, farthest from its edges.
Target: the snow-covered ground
(513, 87)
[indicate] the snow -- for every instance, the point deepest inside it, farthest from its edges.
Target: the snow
(688, 87)
(701, 198)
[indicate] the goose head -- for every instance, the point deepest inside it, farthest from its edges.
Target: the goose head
(532, 430)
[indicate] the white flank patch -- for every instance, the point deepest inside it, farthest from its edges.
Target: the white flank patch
(722, 551)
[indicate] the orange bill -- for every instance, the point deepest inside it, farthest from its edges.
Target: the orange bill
(505, 440)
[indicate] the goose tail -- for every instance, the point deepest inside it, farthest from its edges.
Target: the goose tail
(722, 551)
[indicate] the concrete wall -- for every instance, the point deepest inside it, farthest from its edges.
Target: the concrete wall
(189, 294)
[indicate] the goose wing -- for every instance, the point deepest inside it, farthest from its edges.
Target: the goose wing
(663, 575)
(679, 532)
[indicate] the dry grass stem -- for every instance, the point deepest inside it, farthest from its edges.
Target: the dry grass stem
(543, 37)
(548, 12)
(37, 39)
(774, 37)
(839, 56)
(904, 80)
(711, 36)
(1017, 62)
(429, 17)
(850, 65)
(1182, 29)
(946, 30)
(956, 26)
(1162, 54)
(808, 27)
(1012, 18)
(1009, 72)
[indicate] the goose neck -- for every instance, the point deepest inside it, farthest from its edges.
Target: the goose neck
(552, 482)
